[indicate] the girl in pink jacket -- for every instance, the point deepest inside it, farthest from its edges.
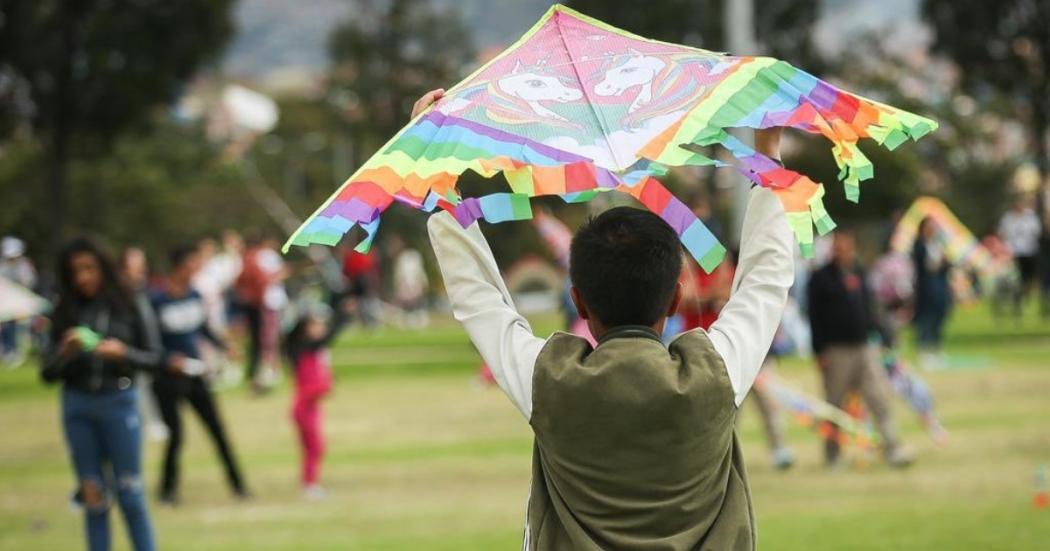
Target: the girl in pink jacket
(307, 347)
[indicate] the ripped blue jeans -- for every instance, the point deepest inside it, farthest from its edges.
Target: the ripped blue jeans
(105, 444)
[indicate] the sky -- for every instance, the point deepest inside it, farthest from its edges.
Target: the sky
(898, 19)
(276, 34)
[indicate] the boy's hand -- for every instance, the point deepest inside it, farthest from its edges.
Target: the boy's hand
(767, 141)
(425, 101)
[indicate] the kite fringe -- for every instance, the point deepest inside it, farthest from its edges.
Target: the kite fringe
(421, 165)
(574, 182)
(803, 199)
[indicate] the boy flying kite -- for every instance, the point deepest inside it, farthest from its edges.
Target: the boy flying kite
(634, 441)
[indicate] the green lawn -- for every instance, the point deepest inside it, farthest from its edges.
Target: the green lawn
(420, 457)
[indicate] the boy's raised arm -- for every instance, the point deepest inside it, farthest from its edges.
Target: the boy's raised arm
(765, 271)
(481, 302)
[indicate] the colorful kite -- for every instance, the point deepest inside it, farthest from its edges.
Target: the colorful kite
(915, 392)
(817, 414)
(577, 107)
(961, 248)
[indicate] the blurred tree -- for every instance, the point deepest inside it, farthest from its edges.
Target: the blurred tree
(159, 186)
(384, 57)
(1001, 47)
(300, 158)
(961, 162)
(783, 27)
(92, 69)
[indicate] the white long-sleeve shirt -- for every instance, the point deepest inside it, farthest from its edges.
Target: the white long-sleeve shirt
(741, 335)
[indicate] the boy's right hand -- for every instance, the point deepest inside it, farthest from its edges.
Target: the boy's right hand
(425, 101)
(767, 141)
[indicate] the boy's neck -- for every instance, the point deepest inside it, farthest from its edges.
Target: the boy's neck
(601, 332)
(630, 331)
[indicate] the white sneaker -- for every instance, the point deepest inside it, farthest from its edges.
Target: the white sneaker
(930, 360)
(900, 457)
(783, 459)
(315, 492)
(156, 432)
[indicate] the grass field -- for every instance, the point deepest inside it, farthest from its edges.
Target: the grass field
(422, 458)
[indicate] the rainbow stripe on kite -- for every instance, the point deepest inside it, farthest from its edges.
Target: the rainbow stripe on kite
(577, 107)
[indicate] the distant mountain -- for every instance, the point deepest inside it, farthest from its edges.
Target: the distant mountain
(275, 34)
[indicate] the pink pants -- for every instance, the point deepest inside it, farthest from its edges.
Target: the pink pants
(307, 415)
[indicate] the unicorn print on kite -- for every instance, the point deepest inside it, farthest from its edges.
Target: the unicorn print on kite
(637, 69)
(576, 107)
(534, 88)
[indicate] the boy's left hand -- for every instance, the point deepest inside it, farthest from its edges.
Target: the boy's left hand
(427, 99)
(767, 141)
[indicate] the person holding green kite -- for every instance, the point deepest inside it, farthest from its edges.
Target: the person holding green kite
(100, 338)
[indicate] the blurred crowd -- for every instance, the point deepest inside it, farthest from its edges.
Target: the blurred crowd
(850, 305)
(133, 347)
(127, 340)
(249, 293)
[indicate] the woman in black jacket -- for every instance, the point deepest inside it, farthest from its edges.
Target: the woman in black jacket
(100, 336)
(933, 296)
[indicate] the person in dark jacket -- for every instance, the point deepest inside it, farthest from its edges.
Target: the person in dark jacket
(182, 318)
(99, 340)
(933, 297)
(842, 321)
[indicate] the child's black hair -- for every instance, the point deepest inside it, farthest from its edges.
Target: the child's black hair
(296, 341)
(625, 264)
(179, 253)
(116, 295)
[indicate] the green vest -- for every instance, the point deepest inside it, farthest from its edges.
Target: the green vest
(635, 447)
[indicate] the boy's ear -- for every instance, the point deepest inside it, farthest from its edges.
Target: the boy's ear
(675, 300)
(581, 308)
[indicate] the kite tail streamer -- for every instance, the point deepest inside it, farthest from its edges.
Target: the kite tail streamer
(802, 198)
(359, 203)
(696, 238)
(817, 414)
(842, 117)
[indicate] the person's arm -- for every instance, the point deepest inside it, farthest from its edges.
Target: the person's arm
(62, 349)
(208, 333)
(481, 302)
(918, 258)
(815, 307)
(339, 321)
(335, 326)
(146, 353)
(765, 271)
(868, 298)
